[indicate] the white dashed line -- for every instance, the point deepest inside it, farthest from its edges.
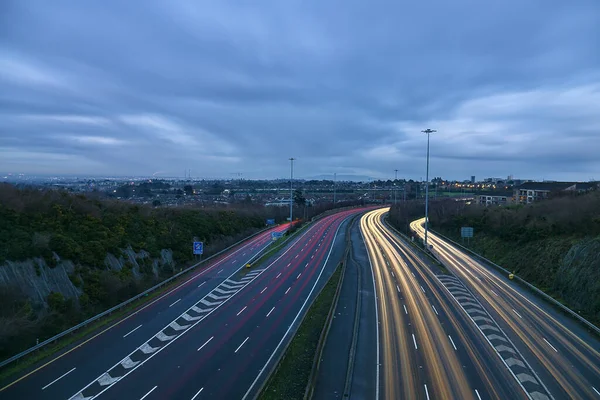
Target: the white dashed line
(477, 393)
(436, 313)
(196, 395)
(289, 265)
(426, 392)
(202, 284)
(515, 311)
(306, 265)
(313, 256)
(278, 275)
(414, 341)
(146, 395)
(59, 378)
(595, 390)
(221, 270)
(495, 294)
(242, 310)
(452, 341)
(135, 329)
(299, 275)
(393, 274)
(405, 310)
(240, 346)
(262, 291)
(297, 255)
(205, 343)
(422, 289)
(398, 288)
(269, 313)
(553, 348)
(413, 274)
(176, 301)
(288, 289)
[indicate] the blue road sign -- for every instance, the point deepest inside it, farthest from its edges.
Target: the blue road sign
(198, 247)
(270, 222)
(276, 235)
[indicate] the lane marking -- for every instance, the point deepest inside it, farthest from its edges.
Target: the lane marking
(146, 395)
(405, 311)
(59, 378)
(313, 256)
(452, 341)
(296, 256)
(422, 289)
(288, 289)
(240, 346)
(477, 393)
(595, 390)
(288, 265)
(398, 288)
(269, 313)
(135, 329)
(414, 341)
(222, 269)
(553, 348)
(306, 265)
(496, 294)
(393, 274)
(202, 284)
(436, 313)
(278, 275)
(413, 274)
(205, 343)
(262, 291)
(176, 301)
(196, 395)
(515, 311)
(299, 275)
(426, 391)
(242, 310)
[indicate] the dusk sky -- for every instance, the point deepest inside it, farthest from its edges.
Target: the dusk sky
(141, 87)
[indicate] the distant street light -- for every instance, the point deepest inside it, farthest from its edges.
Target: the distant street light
(395, 179)
(291, 193)
(428, 132)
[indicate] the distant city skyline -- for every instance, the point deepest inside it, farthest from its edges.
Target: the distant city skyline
(136, 87)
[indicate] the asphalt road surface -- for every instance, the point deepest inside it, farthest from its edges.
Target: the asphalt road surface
(214, 336)
(563, 356)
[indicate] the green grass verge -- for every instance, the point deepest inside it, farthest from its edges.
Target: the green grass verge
(291, 377)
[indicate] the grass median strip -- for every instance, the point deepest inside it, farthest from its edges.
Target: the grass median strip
(291, 376)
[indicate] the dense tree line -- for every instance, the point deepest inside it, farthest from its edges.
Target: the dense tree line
(553, 244)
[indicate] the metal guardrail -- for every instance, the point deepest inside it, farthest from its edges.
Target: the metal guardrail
(524, 282)
(125, 303)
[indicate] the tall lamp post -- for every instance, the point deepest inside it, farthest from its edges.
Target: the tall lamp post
(395, 179)
(334, 186)
(428, 132)
(291, 193)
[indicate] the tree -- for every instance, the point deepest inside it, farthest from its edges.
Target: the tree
(188, 189)
(156, 203)
(299, 198)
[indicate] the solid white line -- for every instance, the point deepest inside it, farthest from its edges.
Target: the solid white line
(496, 294)
(288, 289)
(477, 393)
(414, 341)
(269, 313)
(294, 321)
(515, 311)
(205, 343)
(60, 377)
(135, 329)
(176, 301)
(196, 395)
(299, 275)
(262, 291)
(452, 341)
(595, 390)
(240, 346)
(405, 311)
(422, 289)
(242, 310)
(146, 395)
(202, 284)
(278, 275)
(426, 392)
(553, 348)
(436, 313)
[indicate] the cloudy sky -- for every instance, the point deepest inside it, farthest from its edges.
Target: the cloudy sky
(220, 87)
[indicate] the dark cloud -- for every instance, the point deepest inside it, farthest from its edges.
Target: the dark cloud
(137, 87)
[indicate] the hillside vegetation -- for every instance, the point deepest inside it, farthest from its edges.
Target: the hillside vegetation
(76, 233)
(553, 244)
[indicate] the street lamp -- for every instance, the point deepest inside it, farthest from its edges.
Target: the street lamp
(334, 187)
(395, 179)
(291, 193)
(428, 132)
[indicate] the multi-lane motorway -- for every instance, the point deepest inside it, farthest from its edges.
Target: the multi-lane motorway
(429, 349)
(214, 336)
(525, 331)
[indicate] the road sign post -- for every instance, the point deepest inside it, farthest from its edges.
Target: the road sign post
(466, 232)
(198, 248)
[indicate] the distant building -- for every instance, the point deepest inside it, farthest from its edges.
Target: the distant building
(531, 192)
(495, 199)
(472, 178)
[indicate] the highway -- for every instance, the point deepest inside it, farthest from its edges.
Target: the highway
(215, 336)
(429, 348)
(564, 357)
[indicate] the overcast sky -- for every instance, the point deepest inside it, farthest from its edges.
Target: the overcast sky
(222, 87)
